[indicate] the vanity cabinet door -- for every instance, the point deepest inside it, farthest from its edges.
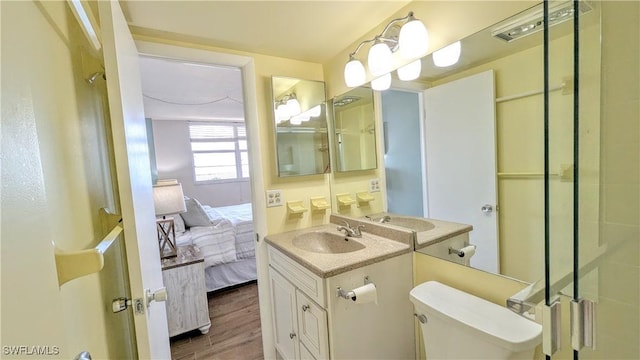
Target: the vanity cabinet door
(283, 306)
(312, 326)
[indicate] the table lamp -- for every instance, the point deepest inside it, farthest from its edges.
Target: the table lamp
(168, 199)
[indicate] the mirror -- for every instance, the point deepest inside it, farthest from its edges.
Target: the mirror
(517, 82)
(354, 125)
(302, 144)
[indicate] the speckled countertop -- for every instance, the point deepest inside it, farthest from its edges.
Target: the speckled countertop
(441, 231)
(376, 249)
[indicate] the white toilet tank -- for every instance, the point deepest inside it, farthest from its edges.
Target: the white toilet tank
(463, 326)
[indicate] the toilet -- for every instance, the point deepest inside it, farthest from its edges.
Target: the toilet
(457, 325)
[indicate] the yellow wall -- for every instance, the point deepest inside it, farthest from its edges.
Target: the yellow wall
(53, 185)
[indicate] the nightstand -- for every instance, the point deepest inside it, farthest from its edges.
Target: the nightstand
(187, 305)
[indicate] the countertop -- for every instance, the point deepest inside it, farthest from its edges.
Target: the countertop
(442, 230)
(376, 249)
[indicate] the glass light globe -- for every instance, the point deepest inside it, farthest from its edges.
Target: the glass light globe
(413, 41)
(379, 59)
(295, 120)
(410, 71)
(382, 83)
(448, 55)
(294, 106)
(354, 74)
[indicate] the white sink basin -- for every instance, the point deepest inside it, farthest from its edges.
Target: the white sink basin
(326, 243)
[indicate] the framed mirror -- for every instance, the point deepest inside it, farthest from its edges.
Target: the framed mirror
(354, 130)
(515, 68)
(300, 116)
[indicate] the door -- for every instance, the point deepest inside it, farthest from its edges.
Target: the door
(461, 160)
(283, 299)
(134, 178)
(402, 152)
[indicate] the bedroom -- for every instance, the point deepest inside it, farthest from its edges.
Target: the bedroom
(195, 119)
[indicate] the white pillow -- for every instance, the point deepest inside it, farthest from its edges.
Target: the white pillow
(195, 215)
(178, 223)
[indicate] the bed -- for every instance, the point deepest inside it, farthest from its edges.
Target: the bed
(225, 236)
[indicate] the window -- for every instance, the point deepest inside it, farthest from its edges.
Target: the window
(219, 151)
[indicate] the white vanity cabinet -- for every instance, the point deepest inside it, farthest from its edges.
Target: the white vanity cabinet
(300, 325)
(311, 322)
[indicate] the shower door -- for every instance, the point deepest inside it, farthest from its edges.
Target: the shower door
(592, 181)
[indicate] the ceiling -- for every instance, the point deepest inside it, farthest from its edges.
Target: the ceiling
(313, 31)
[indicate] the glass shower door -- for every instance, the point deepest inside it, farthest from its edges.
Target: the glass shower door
(592, 192)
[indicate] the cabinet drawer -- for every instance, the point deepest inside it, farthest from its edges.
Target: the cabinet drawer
(311, 284)
(312, 327)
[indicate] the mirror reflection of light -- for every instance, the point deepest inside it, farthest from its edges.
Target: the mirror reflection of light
(382, 83)
(410, 71)
(448, 55)
(315, 111)
(294, 106)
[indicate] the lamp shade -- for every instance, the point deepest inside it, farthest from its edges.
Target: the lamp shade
(413, 41)
(379, 59)
(354, 74)
(168, 198)
(448, 55)
(381, 83)
(410, 71)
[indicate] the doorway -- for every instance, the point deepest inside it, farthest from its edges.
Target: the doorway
(209, 151)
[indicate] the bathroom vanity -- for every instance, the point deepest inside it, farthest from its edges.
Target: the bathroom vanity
(311, 321)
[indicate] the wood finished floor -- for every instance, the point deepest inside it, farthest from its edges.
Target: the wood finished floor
(235, 328)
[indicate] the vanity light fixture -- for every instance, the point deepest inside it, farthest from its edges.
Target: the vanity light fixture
(411, 41)
(448, 55)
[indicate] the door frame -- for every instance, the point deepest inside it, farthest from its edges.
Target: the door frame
(247, 68)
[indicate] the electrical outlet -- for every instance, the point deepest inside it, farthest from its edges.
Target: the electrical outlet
(274, 198)
(374, 185)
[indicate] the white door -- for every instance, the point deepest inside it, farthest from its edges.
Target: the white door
(134, 178)
(461, 160)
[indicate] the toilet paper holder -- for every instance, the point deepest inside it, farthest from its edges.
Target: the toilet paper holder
(459, 252)
(350, 295)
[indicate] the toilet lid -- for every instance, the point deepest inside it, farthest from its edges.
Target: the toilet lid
(497, 324)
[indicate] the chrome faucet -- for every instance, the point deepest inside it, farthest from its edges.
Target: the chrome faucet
(351, 231)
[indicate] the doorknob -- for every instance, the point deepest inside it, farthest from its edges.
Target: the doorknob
(487, 209)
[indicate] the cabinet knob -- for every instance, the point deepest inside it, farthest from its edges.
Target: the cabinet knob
(305, 307)
(292, 335)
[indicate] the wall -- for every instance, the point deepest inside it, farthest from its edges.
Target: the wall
(174, 160)
(52, 178)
